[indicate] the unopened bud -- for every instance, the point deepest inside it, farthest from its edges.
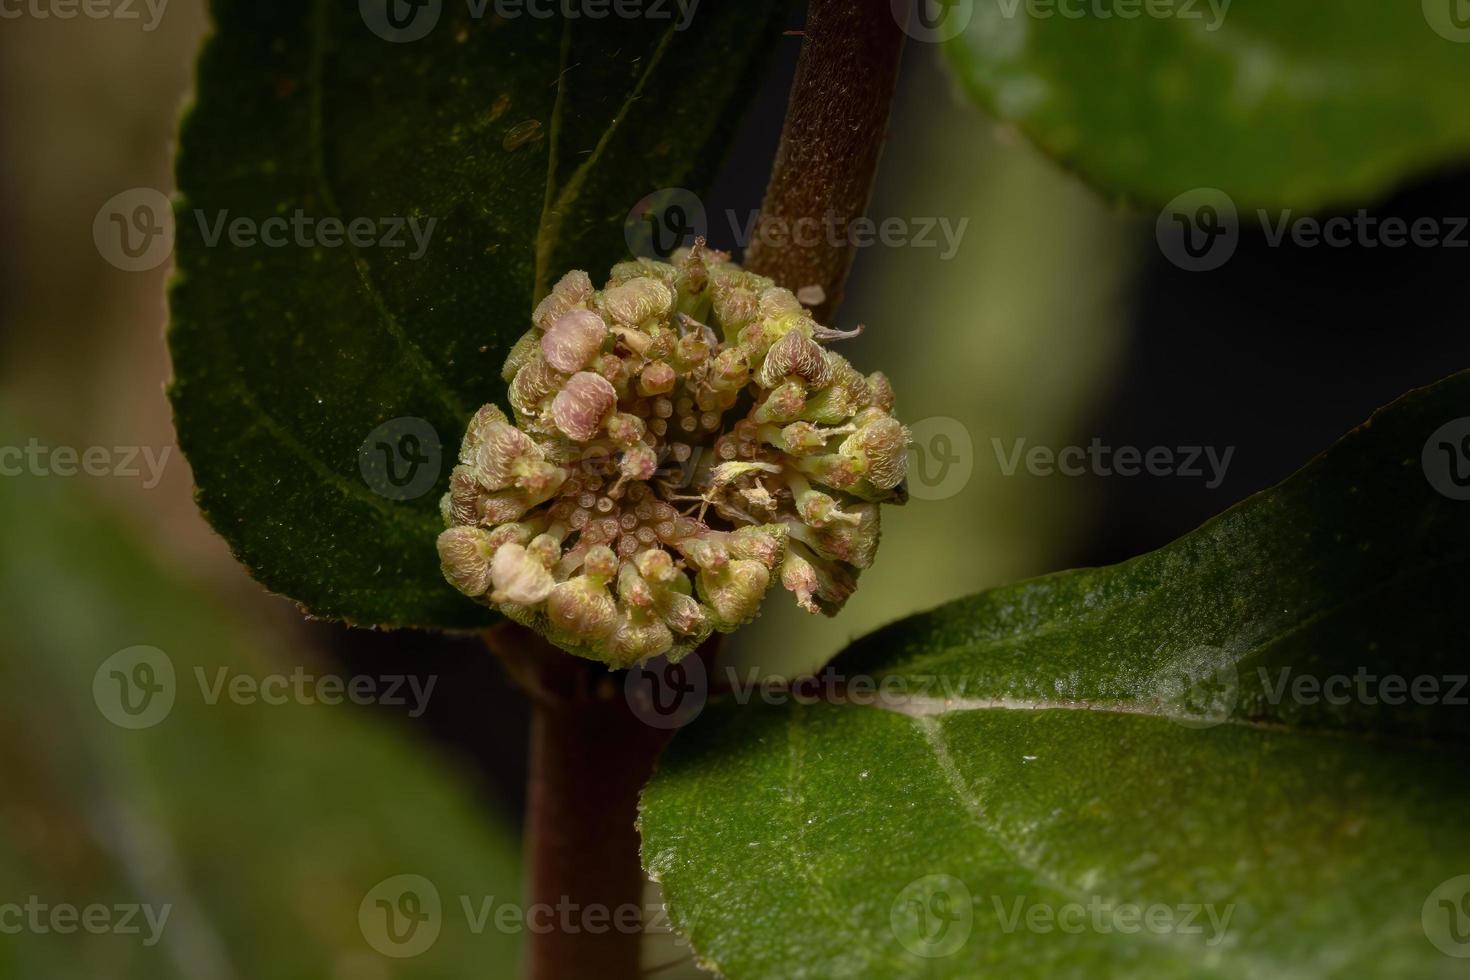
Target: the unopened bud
(573, 340)
(518, 577)
(581, 405)
(464, 556)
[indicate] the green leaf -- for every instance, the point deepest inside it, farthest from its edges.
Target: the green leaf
(1288, 104)
(526, 142)
(1139, 735)
(263, 826)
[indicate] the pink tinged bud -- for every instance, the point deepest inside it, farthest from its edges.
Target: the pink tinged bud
(833, 469)
(580, 407)
(735, 593)
(639, 463)
(800, 578)
(801, 439)
(518, 577)
(464, 557)
(573, 340)
(883, 446)
(503, 506)
(532, 385)
(730, 369)
(854, 541)
(637, 300)
(795, 356)
(704, 553)
(632, 589)
(481, 427)
(692, 350)
(685, 615)
(735, 307)
(656, 566)
(545, 549)
(762, 543)
(600, 563)
(464, 496)
(776, 301)
(880, 390)
(582, 608)
(639, 635)
(574, 289)
(784, 404)
(819, 510)
(625, 429)
(656, 379)
(520, 354)
(501, 447)
(611, 367)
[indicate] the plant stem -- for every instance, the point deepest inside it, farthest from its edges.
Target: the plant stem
(834, 132)
(590, 756)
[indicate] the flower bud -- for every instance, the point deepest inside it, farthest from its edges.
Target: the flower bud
(518, 577)
(735, 592)
(573, 340)
(639, 635)
(464, 556)
(637, 300)
(574, 289)
(580, 407)
(640, 462)
(656, 379)
(625, 429)
(795, 356)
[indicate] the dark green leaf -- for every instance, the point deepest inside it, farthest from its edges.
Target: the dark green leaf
(526, 141)
(1145, 735)
(1288, 104)
(263, 826)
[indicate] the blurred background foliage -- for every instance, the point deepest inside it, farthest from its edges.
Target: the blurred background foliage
(1057, 321)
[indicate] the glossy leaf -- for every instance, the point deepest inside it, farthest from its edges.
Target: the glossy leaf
(1182, 735)
(322, 388)
(1288, 104)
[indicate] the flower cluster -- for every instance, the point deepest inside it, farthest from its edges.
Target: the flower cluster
(622, 514)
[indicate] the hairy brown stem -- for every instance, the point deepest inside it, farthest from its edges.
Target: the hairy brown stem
(824, 169)
(591, 754)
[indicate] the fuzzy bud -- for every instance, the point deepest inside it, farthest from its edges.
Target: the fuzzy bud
(580, 407)
(572, 341)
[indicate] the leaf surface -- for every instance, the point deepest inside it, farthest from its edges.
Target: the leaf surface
(1183, 736)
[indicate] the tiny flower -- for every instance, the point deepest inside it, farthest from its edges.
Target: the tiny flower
(682, 440)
